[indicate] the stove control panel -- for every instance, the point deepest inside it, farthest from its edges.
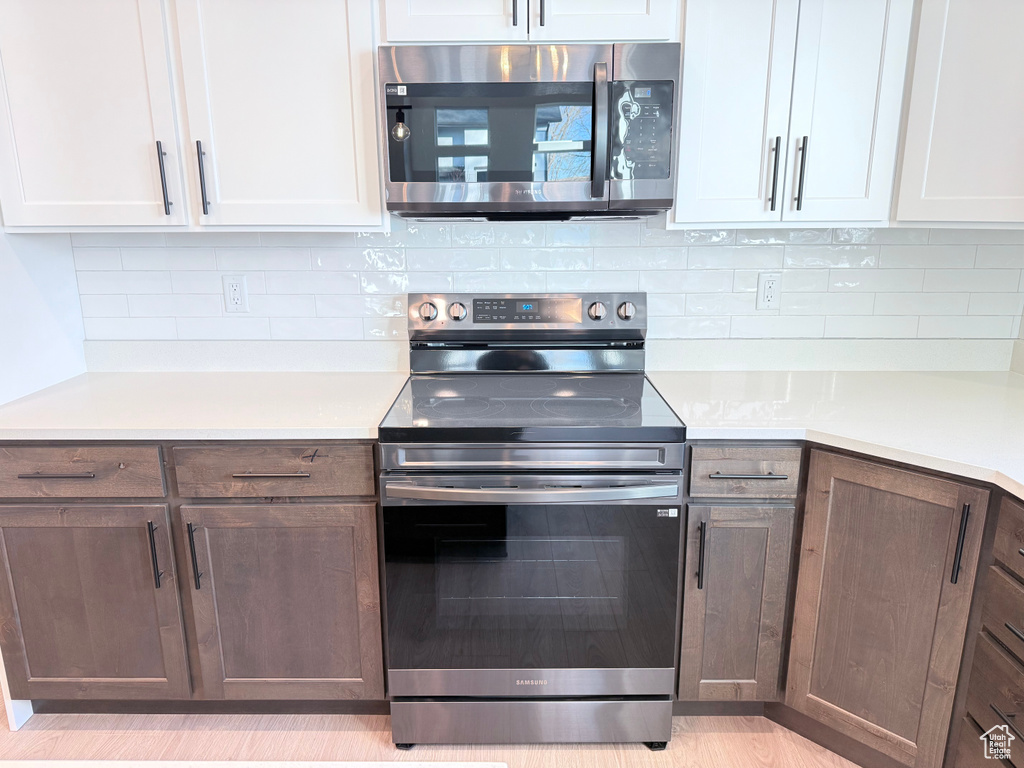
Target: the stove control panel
(487, 312)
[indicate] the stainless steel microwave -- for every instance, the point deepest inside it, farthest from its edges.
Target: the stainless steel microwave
(529, 131)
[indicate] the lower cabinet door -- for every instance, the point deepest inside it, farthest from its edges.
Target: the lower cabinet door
(285, 600)
(735, 586)
(887, 568)
(89, 605)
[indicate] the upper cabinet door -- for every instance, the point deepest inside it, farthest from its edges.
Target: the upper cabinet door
(85, 95)
(603, 19)
(281, 97)
(455, 20)
(847, 95)
(737, 76)
(964, 149)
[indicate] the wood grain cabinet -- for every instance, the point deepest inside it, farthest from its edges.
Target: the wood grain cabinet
(735, 590)
(887, 568)
(89, 605)
(285, 600)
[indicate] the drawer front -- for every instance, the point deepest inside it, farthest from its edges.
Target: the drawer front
(762, 472)
(996, 693)
(1003, 610)
(1009, 546)
(254, 471)
(81, 472)
(970, 749)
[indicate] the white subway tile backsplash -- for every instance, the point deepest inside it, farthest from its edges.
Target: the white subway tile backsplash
(837, 283)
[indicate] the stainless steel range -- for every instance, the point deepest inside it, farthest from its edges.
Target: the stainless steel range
(531, 483)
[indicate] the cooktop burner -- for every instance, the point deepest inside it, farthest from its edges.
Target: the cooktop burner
(530, 406)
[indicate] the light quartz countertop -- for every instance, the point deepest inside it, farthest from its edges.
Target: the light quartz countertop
(968, 424)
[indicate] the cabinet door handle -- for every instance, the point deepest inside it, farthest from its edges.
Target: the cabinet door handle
(543, 12)
(700, 555)
(515, 13)
(1008, 719)
(768, 476)
(269, 475)
(964, 515)
(157, 573)
(160, 155)
(202, 178)
(803, 169)
(777, 150)
(58, 476)
(196, 573)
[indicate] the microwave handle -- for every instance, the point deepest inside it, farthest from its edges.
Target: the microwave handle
(599, 145)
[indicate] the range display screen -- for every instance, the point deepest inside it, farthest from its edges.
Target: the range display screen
(527, 310)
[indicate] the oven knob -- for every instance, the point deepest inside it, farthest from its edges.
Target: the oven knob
(457, 311)
(427, 311)
(627, 310)
(597, 311)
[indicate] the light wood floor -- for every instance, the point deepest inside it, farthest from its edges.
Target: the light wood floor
(698, 742)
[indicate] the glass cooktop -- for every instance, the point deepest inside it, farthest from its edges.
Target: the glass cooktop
(533, 407)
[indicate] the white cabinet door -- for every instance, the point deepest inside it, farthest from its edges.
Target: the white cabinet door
(281, 96)
(964, 150)
(455, 21)
(851, 61)
(737, 76)
(604, 19)
(85, 94)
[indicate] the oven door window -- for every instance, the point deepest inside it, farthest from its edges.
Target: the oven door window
(482, 587)
(491, 132)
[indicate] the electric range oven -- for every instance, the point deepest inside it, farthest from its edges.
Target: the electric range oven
(532, 492)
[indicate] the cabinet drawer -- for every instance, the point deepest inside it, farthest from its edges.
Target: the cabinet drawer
(1003, 609)
(996, 692)
(81, 471)
(251, 471)
(970, 749)
(762, 472)
(1009, 546)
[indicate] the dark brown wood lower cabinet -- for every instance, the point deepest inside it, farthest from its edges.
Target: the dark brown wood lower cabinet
(881, 609)
(734, 611)
(285, 600)
(83, 613)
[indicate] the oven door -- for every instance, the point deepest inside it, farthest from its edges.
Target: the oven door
(512, 586)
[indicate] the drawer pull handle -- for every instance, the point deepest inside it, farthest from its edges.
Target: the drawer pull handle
(200, 154)
(58, 476)
(700, 557)
(270, 475)
(157, 573)
(1008, 719)
(196, 573)
(964, 516)
(1020, 552)
(1016, 632)
(767, 476)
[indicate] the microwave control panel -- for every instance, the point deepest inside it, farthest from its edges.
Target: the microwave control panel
(641, 129)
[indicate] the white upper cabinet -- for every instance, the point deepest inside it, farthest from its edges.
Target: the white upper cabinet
(85, 95)
(603, 19)
(737, 77)
(455, 20)
(281, 97)
(964, 152)
(829, 96)
(483, 21)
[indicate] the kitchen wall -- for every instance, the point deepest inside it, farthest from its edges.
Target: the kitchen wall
(40, 319)
(837, 284)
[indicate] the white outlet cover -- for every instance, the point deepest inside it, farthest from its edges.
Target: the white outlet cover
(236, 294)
(769, 286)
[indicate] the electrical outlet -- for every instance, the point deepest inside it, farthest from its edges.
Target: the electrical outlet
(768, 285)
(236, 294)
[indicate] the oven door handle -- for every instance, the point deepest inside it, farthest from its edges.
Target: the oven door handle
(405, 490)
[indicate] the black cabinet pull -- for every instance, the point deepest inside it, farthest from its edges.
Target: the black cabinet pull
(195, 561)
(1008, 719)
(1016, 632)
(157, 573)
(964, 515)
(719, 475)
(775, 173)
(58, 476)
(803, 169)
(270, 475)
(202, 178)
(1020, 552)
(515, 13)
(700, 555)
(543, 13)
(160, 155)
